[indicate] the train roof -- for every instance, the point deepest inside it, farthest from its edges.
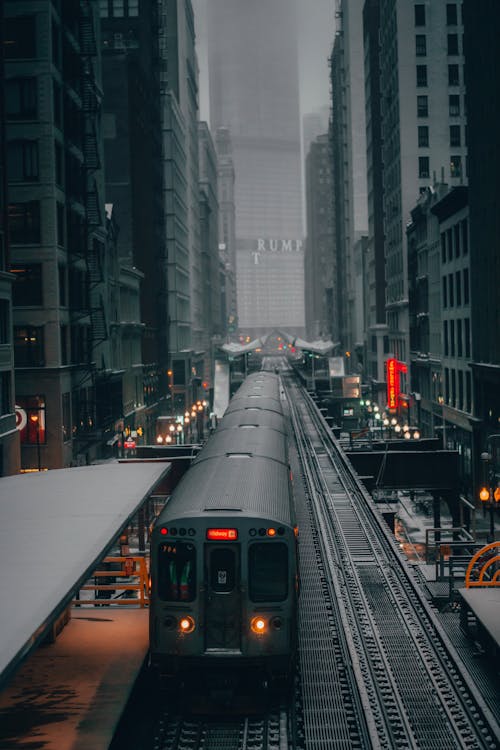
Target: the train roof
(248, 441)
(253, 417)
(253, 403)
(251, 485)
(260, 383)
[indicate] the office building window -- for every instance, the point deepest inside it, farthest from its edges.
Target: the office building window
(103, 8)
(420, 45)
(453, 44)
(449, 243)
(22, 161)
(60, 223)
(27, 289)
(465, 236)
(460, 348)
(420, 14)
(455, 139)
(443, 247)
(445, 337)
(28, 346)
(468, 392)
(451, 294)
(458, 289)
(66, 416)
(453, 75)
(456, 236)
(445, 291)
(422, 106)
(423, 136)
(451, 14)
(20, 38)
(455, 166)
(24, 223)
(423, 166)
(452, 338)
(454, 105)
(466, 286)
(21, 99)
(467, 336)
(421, 75)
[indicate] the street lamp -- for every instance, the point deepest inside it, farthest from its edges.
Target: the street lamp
(35, 420)
(489, 495)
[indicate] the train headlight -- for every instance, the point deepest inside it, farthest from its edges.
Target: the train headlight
(258, 625)
(186, 624)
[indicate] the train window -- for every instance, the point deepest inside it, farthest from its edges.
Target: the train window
(177, 572)
(268, 572)
(222, 570)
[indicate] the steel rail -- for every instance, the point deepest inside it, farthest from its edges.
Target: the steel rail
(371, 563)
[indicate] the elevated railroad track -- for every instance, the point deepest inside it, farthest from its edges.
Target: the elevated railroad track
(377, 668)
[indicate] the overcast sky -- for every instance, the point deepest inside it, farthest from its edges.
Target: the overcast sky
(316, 31)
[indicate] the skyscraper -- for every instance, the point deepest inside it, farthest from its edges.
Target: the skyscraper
(253, 75)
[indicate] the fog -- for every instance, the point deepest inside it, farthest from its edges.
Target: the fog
(316, 28)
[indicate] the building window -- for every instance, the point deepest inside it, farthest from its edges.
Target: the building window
(133, 8)
(423, 136)
(445, 337)
(34, 432)
(455, 139)
(27, 288)
(449, 243)
(60, 223)
(468, 392)
(20, 37)
(22, 161)
(467, 336)
(423, 166)
(453, 44)
(421, 75)
(56, 95)
(103, 8)
(465, 236)
(443, 247)
(24, 222)
(118, 8)
(21, 99)
(460, 348)
(458, 288)
(452, 338)
(66, 416)
(455, 166)
(451, 294)
(454, 105)
(456, 235)
(466, 286)
(420, 14)
(451, 14)
(64, 345)
(5, 393)
(63, 301)
(445, 292)
(422, 106)
(453, 75)
(420, 45)
(28, 346)
(58, 163)
(5, 326)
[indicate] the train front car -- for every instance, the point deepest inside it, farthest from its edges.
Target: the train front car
(223, 554)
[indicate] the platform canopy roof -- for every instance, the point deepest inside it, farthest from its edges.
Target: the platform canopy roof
(55, 527)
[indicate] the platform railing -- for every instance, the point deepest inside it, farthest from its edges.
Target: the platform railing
(483, 570)
(113, 586)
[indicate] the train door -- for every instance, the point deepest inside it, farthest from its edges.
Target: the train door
(223, 598)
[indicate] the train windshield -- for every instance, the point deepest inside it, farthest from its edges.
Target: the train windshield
(268, 572)
(177, 572)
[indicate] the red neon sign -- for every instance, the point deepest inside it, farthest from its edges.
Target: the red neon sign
(228, 535)
(392, 384)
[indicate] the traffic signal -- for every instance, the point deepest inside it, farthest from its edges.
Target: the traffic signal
(140, 431)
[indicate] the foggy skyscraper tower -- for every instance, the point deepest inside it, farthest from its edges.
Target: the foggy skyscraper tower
(254, 92)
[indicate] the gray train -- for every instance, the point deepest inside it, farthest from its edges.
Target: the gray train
(224, 573)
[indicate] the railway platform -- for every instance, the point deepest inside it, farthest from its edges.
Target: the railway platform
(70, 694)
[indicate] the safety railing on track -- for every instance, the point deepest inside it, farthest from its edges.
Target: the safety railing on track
(119, 581)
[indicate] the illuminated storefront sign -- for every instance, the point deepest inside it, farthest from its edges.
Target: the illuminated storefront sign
(393, 370)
